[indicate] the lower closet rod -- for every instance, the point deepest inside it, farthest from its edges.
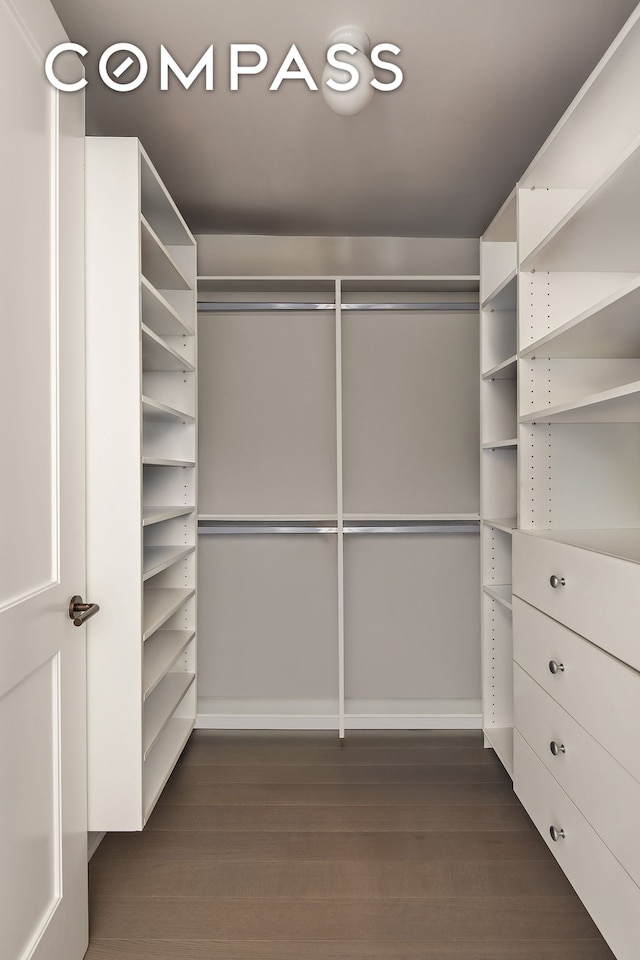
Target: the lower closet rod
(275, 527)
(256, 306)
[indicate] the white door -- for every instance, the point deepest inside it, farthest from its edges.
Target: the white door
(43, 860)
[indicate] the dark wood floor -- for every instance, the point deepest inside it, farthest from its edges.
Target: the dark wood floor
(394, 846)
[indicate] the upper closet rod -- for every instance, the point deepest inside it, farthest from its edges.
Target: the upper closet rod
(255, 306)
(275, 526)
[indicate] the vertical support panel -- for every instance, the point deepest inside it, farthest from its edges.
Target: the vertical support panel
(340, 509)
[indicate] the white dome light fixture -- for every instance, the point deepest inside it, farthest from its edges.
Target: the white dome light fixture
(346, 78)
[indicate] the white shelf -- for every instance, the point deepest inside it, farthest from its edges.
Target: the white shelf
(161, 761)
(506, 524)
(157, 559)
(622, 544)
(158, 207)
(404, 517)
(505, 370)
(501, 592)
(416, 283)
(269, 518)
(158, 314)
(500, 445)
(501, 739)
(600, 232)
(161, 705)
(608, 329)
(504, 295)
(158, 355)
(158, 266)
(160, 654)
(153, 410)
(502, 228)
(618, 405)
(166, 462)
(151, 515)
(160, 603)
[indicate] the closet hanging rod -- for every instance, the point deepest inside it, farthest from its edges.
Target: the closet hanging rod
(262, 526)
(259, 306)
(424, 306)
(239, 527)
(418, 526)
(255, 306)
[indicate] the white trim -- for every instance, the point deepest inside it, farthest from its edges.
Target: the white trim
(94, 839)
(221, 714)
(410, 721)
(243, 721)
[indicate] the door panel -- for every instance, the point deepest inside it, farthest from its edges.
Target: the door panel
(29, 721)
(43, 867)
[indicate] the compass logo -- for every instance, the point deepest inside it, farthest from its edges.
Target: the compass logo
(245, 59)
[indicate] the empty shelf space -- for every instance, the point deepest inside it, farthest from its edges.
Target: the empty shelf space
(618, 405)
(501, 739)
(158, 266)
(506, 524)
(503, 297)
(160, 654)
(166, 462)
(158, 207)
(161, 705)
(158, 314)
(500, 444)
(151, 515)
(157, 559)
(608, 329)
(158, 355)
(600, 231)
(502, 592)
(160, 603)
(156, 411)
(506, 370)
(162, 759)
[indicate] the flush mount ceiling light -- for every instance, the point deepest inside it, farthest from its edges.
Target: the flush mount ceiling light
(346, 79)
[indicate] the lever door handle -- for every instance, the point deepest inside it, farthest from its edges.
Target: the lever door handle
(79, 611)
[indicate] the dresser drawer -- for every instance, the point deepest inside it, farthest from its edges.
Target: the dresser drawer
(607, 891)
(601, 693)
(604, 792)
(600, 597)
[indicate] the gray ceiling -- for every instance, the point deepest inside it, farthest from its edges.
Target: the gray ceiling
(485, 81)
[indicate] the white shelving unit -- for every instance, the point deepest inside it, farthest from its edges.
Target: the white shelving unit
(499, 448)
(141, 482)
(339, 491)
(560, 654)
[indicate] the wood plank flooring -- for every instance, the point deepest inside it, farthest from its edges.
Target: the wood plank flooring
(392, 846)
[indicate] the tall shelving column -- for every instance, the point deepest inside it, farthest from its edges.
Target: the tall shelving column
(576, 556)
(141, 482)
(499, 448)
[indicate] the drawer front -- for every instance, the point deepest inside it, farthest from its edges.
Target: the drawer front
(607, 891)
(600, 598)
(601, 693)
(606, 795)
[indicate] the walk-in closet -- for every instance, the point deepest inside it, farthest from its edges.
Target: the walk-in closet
(320, 517)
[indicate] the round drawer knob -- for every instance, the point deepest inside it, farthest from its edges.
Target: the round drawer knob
(557, 833)
(557, 748)
(556, 667)
(556, 581)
